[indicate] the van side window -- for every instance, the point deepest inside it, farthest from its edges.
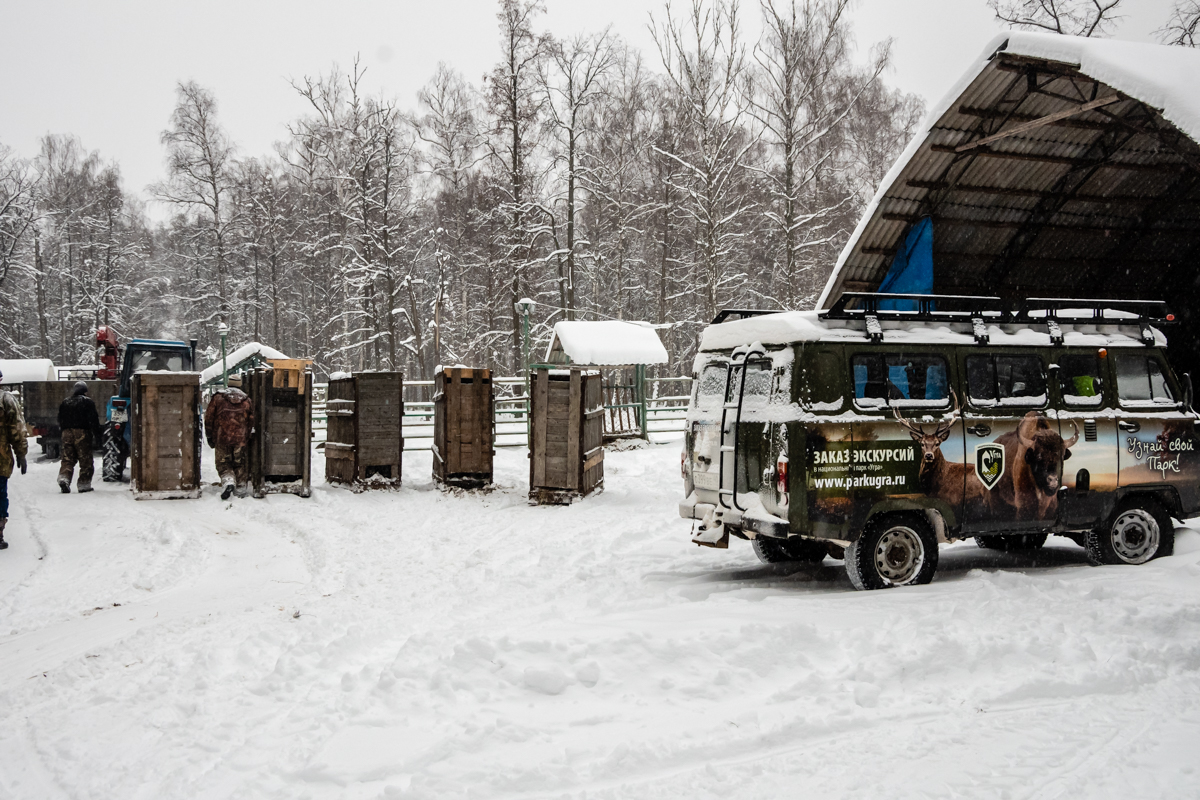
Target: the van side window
(896, 378)
(1140, 380)
(1006, 380)
(1080, 379)
(825, 381)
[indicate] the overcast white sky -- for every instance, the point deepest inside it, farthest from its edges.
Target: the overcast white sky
(106, 72)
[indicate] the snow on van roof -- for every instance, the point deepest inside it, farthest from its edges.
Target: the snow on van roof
(607, 343)
(790, 327)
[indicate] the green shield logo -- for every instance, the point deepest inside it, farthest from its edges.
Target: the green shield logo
(989, 464)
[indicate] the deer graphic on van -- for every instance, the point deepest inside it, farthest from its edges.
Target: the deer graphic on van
(938, 478)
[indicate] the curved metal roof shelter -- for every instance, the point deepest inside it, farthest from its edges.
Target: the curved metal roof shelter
(1058, 167)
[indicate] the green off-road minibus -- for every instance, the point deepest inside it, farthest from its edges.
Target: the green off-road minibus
(890, 424)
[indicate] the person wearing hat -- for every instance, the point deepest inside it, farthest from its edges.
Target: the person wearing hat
(14, 446)
(80, 427)
(228, 426)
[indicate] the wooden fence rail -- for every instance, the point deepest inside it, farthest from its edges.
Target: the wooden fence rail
(666, 414)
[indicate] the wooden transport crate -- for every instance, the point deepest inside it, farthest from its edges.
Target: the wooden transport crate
(281, 448)
(567, 437)
(364, 443)
(463, 427)
(165, 435)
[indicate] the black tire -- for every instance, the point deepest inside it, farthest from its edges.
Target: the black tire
(54, 451)
(1140, 530)
(779, 551)
(893, 550)
(1018, 543)
(113, 466)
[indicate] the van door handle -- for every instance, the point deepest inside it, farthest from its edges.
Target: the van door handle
(980, 429)
(1126, 425)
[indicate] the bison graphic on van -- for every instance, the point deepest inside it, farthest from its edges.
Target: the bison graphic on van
(1028, 489)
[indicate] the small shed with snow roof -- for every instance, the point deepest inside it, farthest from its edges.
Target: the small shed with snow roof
(622, 350)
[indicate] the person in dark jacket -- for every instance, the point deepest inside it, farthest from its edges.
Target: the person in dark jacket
(80, 427)
(14, 446)
(228, 424)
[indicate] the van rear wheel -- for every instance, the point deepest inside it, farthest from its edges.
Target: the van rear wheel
(779, 551)
(1138, 531)
(895, 550)
(1012, 544)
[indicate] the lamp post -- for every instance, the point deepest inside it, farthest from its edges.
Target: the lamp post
(524, 307)
(223, 330)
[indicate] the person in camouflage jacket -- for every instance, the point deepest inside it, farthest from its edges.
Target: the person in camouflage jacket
(14, 446)
(228, 425)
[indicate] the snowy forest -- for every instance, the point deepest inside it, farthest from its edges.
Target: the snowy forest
(599, 181)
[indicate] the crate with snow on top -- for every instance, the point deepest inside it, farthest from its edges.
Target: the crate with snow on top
(281, 449)
(566, 448)
(165, 435)
(463, 427)
(622, 350)
(364, 444)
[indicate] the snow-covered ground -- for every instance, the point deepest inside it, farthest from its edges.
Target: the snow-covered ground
(439, 645)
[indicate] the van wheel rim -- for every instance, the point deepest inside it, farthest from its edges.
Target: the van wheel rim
(899, 555)
(1135, 536)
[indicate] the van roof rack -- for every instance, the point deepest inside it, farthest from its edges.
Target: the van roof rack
(731, 314)
(979, 310)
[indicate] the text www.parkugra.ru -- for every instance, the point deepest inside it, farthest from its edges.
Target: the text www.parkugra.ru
(860, 482)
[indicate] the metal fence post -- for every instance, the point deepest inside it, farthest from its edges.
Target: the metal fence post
(639, 379)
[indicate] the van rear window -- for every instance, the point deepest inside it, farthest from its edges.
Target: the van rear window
(900, 379)
(710, 388)
(999, 380)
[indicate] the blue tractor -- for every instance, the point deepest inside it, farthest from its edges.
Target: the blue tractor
(141, 355)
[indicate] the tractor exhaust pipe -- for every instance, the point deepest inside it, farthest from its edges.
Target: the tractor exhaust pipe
(193, 343)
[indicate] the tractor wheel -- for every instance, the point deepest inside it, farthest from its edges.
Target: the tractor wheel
(113, 467)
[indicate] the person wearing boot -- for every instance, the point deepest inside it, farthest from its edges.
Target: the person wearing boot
(80, 427)
(14, 446)
(228, 425)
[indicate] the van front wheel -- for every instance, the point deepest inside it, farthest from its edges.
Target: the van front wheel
(895, 550)
(1139, 530)
(779, 551)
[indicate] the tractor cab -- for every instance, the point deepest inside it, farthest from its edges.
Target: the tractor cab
(141, 355)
